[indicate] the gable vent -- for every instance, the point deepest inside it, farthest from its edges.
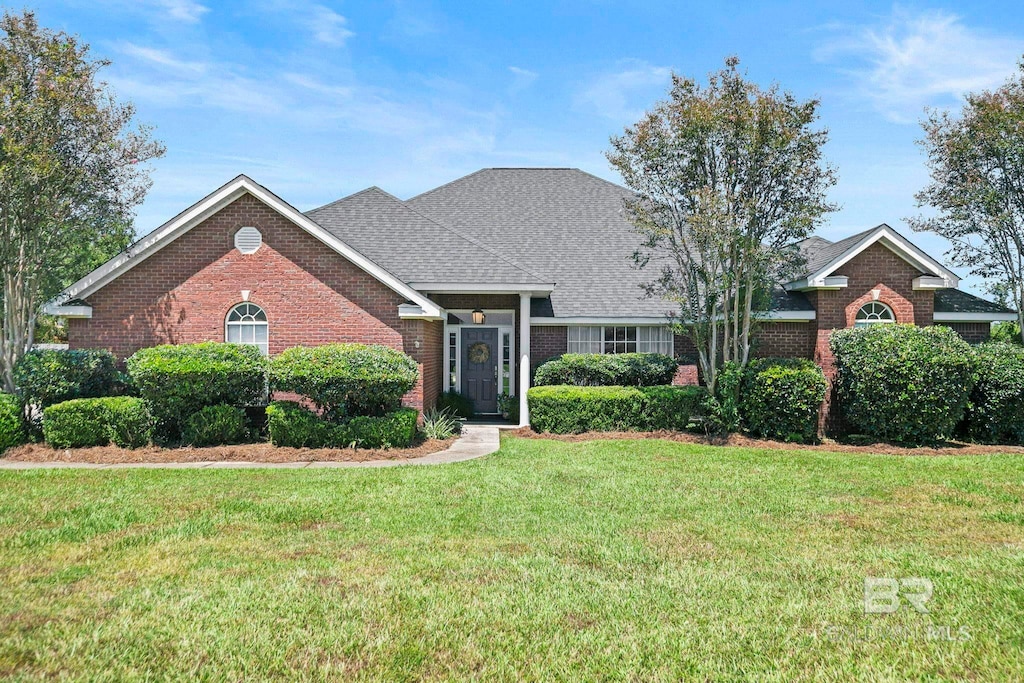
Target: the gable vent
(248, 240)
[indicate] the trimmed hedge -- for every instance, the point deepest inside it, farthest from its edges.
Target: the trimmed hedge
(48, 376)
(345, 379)
(179, 380)
(781, 398)
(902, 383)
(604, 370)
(83, 422)
(12, 426)
(573, 410)
(290, 424)
(995, 413)
(216, 426)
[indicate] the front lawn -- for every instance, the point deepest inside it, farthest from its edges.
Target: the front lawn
(548, 560)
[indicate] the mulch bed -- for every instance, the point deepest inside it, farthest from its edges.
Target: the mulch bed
(739, 441)
(253, 452)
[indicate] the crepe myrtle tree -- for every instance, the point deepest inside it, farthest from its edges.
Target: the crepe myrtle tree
(976, 162)
(72, 168)
(726, 177)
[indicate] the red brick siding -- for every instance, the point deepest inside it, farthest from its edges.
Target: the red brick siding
(547, 342)
(973, 333)
(785, 340)
(311, 295)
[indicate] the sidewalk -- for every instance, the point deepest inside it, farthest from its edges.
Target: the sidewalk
(476, 441)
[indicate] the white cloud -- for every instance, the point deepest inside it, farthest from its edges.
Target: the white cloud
(521, 79)
(187, 11)
(914, 60)
(624, 94)
(327, 26)
(162, 58)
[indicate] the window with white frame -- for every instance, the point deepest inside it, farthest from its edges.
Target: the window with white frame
(247, 324)
(874, 313)
(620, 339)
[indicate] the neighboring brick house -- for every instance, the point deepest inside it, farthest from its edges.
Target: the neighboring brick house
(479, 280)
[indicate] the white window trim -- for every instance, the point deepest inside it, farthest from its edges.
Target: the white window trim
(868, 322)
(602, 336)
(266, 323)
(457, 329)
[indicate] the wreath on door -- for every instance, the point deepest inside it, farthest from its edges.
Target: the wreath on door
(479, 352)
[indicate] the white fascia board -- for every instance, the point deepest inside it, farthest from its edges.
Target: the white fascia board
(973, 317)
(774, 316)
(924, 282)
(205, 208)
(590, 320)
(67, 311)
(416, 312)
(834, 282)
(897, 244)
(787, 316)
(532, 288)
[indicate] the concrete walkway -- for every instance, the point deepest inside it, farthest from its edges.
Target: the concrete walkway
(476, 441)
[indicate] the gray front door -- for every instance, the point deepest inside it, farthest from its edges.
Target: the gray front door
(480, 368)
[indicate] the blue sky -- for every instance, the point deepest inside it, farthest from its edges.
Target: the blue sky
(318, 100)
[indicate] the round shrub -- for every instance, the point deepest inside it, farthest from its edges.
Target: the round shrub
(995, 413)
(12, 427)
(781, 398)
(345, 379)
(216, 426)
(605, 370)
(48, 376)
(292, 425)
(178, 381)
(83, 422)
(902, 383)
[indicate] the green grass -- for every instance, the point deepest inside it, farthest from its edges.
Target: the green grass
(611, 560)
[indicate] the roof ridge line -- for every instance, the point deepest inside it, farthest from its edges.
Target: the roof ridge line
(348, 196)
(471, 240)
(450, 182)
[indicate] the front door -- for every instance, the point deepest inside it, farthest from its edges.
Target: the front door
(480, 367)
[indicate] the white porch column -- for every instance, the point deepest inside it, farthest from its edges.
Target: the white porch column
(524, 357)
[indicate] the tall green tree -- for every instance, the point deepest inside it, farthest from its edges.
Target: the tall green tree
(72, 169)
(726, 177)
(976, 161)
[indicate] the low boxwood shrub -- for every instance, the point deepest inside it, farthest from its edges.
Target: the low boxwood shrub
(345, 379)
(781, 398)
(48, 376)
(12, 425)
(394, 430)
(290, 424)
(179, 380)
(902, 383)
(83, 422)
(216, 426)
(456, 404)
(603, 370)
(573, 410)
(995, 413)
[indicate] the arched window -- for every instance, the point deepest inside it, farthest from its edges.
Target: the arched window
(247, 324)
(874, 313)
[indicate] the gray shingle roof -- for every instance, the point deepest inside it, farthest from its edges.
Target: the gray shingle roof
(958, 301)
(820, 252)
(412, 246)
(567, 226)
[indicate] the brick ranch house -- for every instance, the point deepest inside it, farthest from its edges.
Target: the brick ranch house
(478, 280)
